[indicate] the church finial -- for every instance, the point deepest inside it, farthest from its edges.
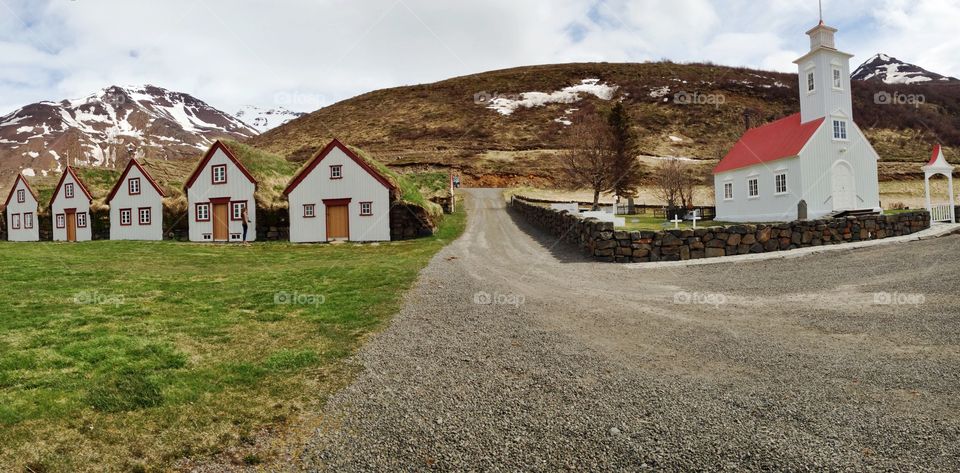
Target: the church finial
(820, 3)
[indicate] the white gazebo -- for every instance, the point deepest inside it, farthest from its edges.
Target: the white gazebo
(941, 212)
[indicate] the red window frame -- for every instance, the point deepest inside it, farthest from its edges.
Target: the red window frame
(129, 214)
(68, 190)
(196, 211)
(27, 221)
(140, 216)
(312, 207)
(15, 221)
(130, 186)
(213, 174)
(339, 173)
(81, 222)
(21, 196)
(369, 209)
(234, 216)
(61, 220)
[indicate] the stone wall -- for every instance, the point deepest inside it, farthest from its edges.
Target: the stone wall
(410, 221)
(601, 241)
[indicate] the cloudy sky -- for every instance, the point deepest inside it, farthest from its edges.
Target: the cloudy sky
(304, 54)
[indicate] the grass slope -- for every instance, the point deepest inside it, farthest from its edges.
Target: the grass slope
(126, 355)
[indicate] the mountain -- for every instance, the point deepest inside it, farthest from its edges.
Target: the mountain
(505, 127)
(263, 119)
(105, 128)
(890, 70)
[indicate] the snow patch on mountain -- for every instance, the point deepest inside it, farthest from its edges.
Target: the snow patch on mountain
(506, 105)
(264, 119)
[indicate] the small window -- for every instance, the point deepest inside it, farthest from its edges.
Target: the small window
(28, 220)
(811, 82)
(780, 182)
(145, 216)
(203, 212)
(219, 173)
(134, 185)
(753, 187)
(68, 190)
(81, 220)
(366, 208)
(839, 129)
(61, 221)
(15, 220)
(126, 217)
(21, 196)
(336, 171)
(837, 83)
(309, 210)
(727, 190)
(237, 210)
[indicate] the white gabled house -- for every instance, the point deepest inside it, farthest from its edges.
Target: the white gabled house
(136, 205)
(818, 156)
(21, 212)
(217, 192)
(337, 195)
(70, 208)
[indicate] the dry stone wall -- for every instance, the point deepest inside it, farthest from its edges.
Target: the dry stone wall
(604, 243)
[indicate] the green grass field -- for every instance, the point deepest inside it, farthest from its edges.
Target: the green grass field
(132, 355)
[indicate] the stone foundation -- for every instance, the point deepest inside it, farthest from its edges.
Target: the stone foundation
(604, 243)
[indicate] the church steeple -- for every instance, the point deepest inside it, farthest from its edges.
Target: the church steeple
(824, 77)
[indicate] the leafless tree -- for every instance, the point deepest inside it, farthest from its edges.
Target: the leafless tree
(675, 184)
(589, 156)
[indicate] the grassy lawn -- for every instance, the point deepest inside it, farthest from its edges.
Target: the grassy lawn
(650, 223)
(132, 355)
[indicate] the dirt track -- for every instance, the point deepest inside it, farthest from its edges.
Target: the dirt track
(783, 364)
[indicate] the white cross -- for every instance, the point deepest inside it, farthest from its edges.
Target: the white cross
(676, 222)
(694, 218)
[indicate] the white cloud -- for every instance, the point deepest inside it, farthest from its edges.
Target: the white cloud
(310, 54)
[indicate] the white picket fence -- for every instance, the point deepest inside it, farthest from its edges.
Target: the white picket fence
(941, 213)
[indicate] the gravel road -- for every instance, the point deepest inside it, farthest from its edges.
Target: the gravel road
(512, 353)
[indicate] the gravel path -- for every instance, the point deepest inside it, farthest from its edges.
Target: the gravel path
(771, 365)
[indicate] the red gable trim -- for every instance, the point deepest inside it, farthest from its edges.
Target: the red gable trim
(123, 177)
(933, 159)
(206, 159)
(784, 138)
(13, 190)
(76, 178)
(315, 161)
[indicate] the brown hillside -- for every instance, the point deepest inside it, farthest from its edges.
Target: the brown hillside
(443, 125)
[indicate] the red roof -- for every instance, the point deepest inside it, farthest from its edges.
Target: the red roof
(14, 188)
(123, 177)
(936, 153)
(76, 178)
(315, 161)
(206, 158)
(783, 138)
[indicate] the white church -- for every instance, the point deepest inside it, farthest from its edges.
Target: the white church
(818, 156)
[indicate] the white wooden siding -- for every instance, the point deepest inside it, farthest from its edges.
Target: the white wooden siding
(78, 201)
(237, 188)
(356, 184)
(148, 197)
(14, 207)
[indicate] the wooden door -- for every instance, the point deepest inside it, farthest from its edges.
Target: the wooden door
(221, 222)
(338, 222)
(844, 194)
(71, 218)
